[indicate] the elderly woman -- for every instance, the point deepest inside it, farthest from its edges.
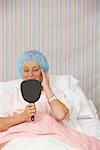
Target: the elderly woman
(14, 110)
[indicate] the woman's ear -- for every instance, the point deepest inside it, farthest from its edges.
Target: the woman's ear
(41, 79)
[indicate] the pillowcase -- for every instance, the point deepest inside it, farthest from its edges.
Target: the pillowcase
(9, 85)
(1, 92)
(93, 107)
(64, 82)
(85, 111)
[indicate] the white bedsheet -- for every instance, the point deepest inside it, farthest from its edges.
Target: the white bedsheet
(90, 127)
(36, 143)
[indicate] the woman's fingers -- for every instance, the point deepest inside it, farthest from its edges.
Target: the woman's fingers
(45, 77)
(43, 73)
(31, 107)
(29, 111)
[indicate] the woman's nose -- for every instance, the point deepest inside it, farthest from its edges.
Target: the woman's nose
(30, 73)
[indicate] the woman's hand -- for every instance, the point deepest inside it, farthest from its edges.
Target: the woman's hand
(46, 85)
(30, 110)
(7, 122)
(45, 80)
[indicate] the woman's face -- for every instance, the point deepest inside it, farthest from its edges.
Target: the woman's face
(31, 70)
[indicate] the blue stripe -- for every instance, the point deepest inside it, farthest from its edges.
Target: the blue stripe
(5, 38)
(15, 36)
(41, 25)
(77, 40)
(88, 69)
(33, 24)
(42, 20)
(67, 61)
(51, 41)
(24, 29)
(79, 49)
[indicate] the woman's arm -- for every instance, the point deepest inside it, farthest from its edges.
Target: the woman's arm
(59, 110)
(7, 122)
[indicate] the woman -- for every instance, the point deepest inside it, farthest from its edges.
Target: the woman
(31, 65)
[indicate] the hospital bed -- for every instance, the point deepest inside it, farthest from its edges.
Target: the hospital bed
(83, 117)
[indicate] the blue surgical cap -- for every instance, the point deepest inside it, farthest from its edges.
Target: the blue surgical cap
(35, 56)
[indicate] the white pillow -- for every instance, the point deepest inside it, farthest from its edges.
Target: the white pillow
(64, 82)
(1, 92)
(85, 111)
(93, 107)
(7, 85)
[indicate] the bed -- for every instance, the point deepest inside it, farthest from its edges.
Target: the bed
(83, 118)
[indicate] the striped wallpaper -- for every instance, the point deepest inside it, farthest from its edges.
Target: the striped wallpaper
(66, 31)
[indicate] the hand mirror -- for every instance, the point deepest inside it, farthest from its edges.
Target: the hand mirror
(31, 91)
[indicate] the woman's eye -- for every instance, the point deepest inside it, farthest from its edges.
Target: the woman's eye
(26, 70)
(36, 69)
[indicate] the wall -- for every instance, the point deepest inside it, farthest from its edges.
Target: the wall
(67, 31)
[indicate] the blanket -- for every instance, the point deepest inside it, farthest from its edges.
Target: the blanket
(46, 125)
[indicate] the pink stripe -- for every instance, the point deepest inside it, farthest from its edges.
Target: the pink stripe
(83, 81)
(46, 51)
(19, 28)
(66, 39)
(55, 26)
(92, 28)
(1, 46)
(37, 24)
(10, 37)
(75, 52)
(28, 24)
